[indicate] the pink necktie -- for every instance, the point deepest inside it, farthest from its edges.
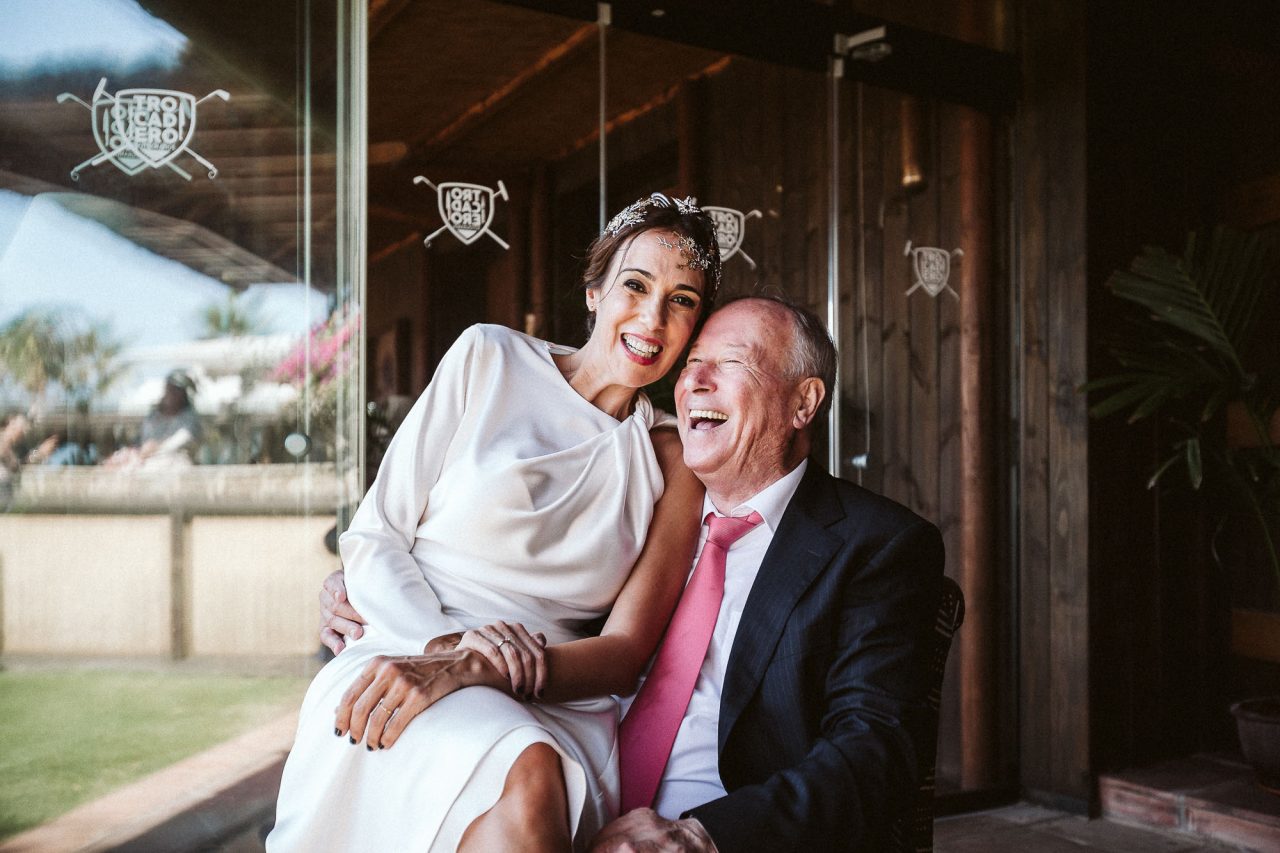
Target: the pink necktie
(649, 729)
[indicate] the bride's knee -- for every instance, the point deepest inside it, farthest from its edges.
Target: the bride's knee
(531, 814)
(536, 779)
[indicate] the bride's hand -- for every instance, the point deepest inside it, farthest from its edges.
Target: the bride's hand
(514, 652)
(391, 691)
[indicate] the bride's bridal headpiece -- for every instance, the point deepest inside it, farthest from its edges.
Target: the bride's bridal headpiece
(633, 214)
(694, 228)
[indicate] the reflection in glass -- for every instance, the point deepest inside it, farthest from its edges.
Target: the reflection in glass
(168, 315)
(170, 311)
(111, 282)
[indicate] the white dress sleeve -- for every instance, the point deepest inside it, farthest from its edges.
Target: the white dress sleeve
(384, 582)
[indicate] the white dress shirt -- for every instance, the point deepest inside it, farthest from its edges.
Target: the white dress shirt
(692, 775)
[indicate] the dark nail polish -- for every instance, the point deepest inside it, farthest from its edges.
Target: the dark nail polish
(382, 746)
(337, 732)
(368, 747)
(350, 738)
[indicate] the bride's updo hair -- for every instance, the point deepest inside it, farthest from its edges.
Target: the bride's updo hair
(660, 212)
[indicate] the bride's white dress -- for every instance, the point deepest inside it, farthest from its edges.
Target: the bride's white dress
(504, 495)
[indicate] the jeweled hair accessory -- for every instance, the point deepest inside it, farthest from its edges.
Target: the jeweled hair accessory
(628, 216)
(687, 205)
(695, 255)
(633, 214)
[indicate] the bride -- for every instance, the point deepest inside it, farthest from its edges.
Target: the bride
(511, 511)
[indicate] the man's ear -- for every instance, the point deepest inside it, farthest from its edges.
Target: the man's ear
(809, 395)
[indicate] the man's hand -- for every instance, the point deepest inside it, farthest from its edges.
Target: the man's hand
(339, 621)
(645, 831)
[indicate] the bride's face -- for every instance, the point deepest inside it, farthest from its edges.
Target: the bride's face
(646, 309)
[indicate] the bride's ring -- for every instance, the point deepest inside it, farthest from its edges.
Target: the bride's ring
(505, 640)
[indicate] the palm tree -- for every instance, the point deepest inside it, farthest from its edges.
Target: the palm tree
(31, 353)
(42, 349)
(237, 316)
(91, 366)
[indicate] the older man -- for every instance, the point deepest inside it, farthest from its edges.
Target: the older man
(784, 708)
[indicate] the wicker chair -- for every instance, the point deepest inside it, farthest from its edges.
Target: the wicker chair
(914, 833)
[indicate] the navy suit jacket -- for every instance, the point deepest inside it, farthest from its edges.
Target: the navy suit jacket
(825, 692)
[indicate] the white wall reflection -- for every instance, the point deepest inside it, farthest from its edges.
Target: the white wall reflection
(55, 35)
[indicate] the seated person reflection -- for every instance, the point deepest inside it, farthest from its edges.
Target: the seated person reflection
(13, 430)
(65, 447)
(787, 702)
(171, 432)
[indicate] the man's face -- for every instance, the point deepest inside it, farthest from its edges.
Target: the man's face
(738, 412)
(173, 400)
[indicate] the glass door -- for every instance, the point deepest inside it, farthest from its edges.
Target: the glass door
(502, 136)
(179, 325)
(926, 298)
(490, 174)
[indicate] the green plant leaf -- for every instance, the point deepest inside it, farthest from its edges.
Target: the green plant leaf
(1211, 293)
(1216, 402)
(1182, 361)
(1135, 395)
(1159, 396)
(1164, 466)
(1195, 470)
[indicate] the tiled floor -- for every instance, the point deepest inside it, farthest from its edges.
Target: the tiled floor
(1021, 828)
(1024, 828)
(218, 801)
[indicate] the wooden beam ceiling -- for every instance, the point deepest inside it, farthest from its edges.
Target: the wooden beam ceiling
(474, 116)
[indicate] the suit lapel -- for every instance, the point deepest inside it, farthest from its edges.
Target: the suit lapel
(801, 549)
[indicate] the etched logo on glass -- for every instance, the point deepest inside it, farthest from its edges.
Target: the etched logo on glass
(140, 129)
(731, 228)
(932, 268)
(467, 210)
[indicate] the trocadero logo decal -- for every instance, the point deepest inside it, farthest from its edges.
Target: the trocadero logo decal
(467, 210)
(731, 228)
(140, 129)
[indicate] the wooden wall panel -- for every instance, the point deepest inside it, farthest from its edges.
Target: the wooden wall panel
(970, 210)
(1053, 494)
(868, 318)
(923, 316)
(932, 383)
(741, 171)
(955, 208)
(895, 333)
(848, 379)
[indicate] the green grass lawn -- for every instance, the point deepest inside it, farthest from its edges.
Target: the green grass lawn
(71, 735)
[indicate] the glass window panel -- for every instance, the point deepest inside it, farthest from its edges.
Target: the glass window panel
(175, 303)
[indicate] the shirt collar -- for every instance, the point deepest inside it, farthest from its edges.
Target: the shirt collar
(771, 501)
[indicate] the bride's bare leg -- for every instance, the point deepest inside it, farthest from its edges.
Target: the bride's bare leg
(532, 815)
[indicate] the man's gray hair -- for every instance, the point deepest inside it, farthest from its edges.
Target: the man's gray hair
(813, 354)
